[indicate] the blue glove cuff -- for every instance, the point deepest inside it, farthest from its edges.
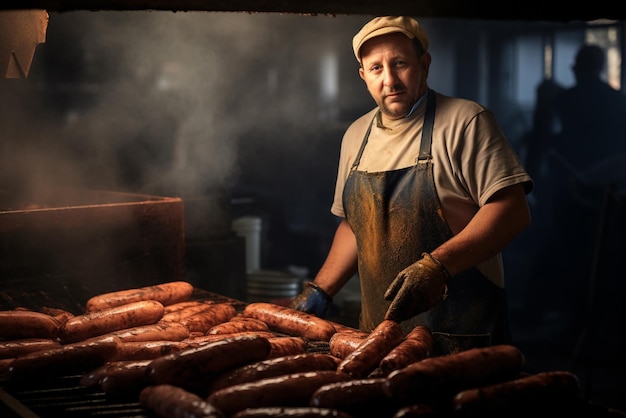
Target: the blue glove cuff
(313, 300)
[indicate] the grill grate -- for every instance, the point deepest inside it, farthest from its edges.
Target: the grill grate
(66, 398)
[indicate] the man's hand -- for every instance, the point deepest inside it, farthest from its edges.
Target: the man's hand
(416, 289)
(312, 300)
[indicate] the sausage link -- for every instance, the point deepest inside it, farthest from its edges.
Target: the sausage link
(168, 401)
(417, 345)
(294, 389)
(290, 321)
(551, 390)
(67, 359)
(366, 357)
(21, 323)
(272, 367)
(166, 293)
(444, 375)
(104, 321)
(18, 347)
(358, 397)
(199, 364)
(215, 314)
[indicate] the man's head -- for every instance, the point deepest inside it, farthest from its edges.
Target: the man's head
(590, 60)
(394, 58)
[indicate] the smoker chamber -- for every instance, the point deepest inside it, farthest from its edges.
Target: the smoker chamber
(90, 240)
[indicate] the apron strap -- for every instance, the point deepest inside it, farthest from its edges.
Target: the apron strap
(427, 130)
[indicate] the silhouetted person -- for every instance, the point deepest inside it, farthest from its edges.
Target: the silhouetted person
(581, 165)
(592, 114)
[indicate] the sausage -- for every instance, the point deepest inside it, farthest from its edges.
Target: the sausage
(127, 382)
(21, 323)
(215, 314)
(290, 412)
(366, 357)
(147, 350)
(180, 314)
(97, 375)
(202, 339)
(272, 367)
(166, 293)
(294, 389)
(417, 345)
(18, 347)
(168, 401)
(238, 325)
(445, 375)
(551, 389)
(67, 359)
(290, 321)
(185, 304)
(171, 331)
(60, 315)
(200, 364)
(284, 346)
(104, 321)
(343, 343)
(358, 397)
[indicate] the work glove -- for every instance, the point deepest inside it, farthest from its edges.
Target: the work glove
(312, 300)
(417, 289)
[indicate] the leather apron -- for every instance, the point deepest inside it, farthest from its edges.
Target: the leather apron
(396, 216)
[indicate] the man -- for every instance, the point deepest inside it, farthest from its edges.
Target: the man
(430, 192)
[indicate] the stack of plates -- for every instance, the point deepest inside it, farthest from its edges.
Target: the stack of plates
(272, 286)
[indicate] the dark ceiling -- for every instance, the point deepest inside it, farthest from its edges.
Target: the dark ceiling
(535, 10)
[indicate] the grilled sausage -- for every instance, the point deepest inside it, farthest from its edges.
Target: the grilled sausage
(184, 304)
(272, 367)
(127, 382)
(67, 359)
(284, 346)
(21, 323)
(417, 345)
(290, 412)
(343, 343)
(238, 325)
(366, 357)
(15, 348)
(170, 331)
(104, 321)
(202, 339)
(215, 314)
(290, 321)
(166, 293)
(448, 374)
(200, 364)
(60, 315)
(180, 314)
(294, 389)
(96, 376)
(541, 391)
(168, 401)
(358, 397)
(147, 350)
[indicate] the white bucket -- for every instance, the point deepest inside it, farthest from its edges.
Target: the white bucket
(249, 227)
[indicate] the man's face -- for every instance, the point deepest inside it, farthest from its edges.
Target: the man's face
(393, 73)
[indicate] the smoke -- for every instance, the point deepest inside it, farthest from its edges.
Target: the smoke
(160, 102)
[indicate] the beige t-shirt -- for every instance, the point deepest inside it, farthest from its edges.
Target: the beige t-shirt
(472, 159)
